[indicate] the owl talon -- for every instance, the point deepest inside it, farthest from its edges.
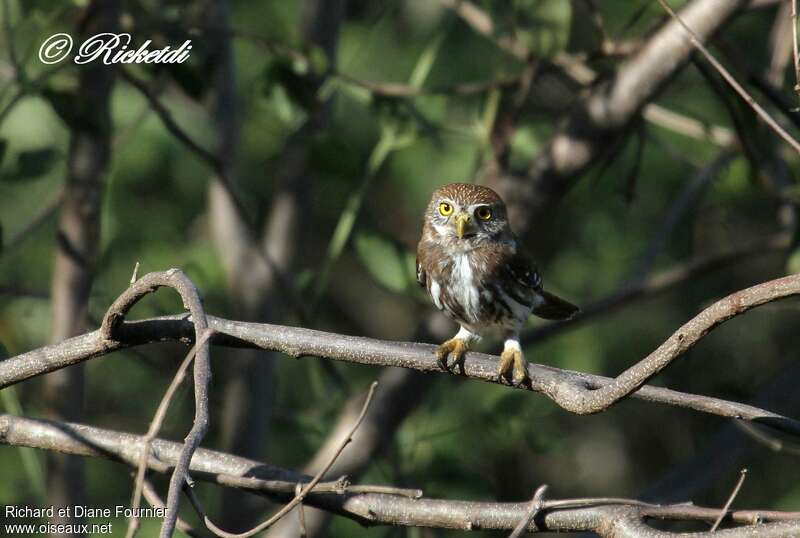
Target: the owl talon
(456, 348)
(513, 359)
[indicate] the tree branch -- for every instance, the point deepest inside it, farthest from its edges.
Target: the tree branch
(607, 112)
(78, 239)
(301, 490)
(611, 517)
(763, 114)
(663, 281)
(583, 401)
(155, 427)
(169, 123)
(173, 278)
(574, 391)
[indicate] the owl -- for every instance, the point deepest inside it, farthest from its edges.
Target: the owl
(473, 269)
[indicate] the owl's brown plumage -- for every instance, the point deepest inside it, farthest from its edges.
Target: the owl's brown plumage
(469, 261)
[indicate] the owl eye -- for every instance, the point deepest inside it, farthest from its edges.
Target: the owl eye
(445, 209)
(483, 213)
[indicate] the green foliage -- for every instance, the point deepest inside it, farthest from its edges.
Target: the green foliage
(32, 164)
(542, 26)
(30, 458)
(365, 158)
(384, 262)
(293, 79)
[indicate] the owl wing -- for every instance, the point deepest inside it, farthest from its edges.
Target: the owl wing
(422, 276)
(524, 273)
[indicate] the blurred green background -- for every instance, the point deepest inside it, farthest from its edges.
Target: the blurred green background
(373, 160)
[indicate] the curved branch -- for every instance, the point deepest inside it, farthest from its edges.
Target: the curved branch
(663, 281)
(585, 402)
(608, 517)
(176, 279)
(574, 391)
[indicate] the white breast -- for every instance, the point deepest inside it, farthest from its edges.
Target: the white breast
(465, 287)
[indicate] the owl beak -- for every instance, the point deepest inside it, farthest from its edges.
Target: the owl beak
(462, 222)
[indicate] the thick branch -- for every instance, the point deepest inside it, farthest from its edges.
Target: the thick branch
(607, 112)
(574, 391)
(607, 517)
(78, 241)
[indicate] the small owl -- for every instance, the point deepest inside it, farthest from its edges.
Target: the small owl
(474, 271)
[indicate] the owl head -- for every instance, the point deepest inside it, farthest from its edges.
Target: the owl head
(466, 215)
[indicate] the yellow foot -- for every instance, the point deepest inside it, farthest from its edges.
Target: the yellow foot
(456, 348)
(513, 358)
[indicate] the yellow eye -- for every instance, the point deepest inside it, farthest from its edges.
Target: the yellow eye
(483, 213)
(445, 209)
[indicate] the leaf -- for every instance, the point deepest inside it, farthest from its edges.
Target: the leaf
(67, 105)
(318, 60)
(34, 163)
(3, 147)
(191, 77)
(425, 62)
(383, 261)
(298, 86)
(543, 26)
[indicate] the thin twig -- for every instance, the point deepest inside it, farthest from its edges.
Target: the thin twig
(770, 441)
(663, 281)
(536, 506)
(385, 145)
(156, 423)
(299, 496)
(169, 121)
(687, 198)
(688, 126)
(175, 130)
(763, 114)
(301, 514)
(12, 47)
(135, 274)
(398, 89)
(729, 502)
(482, 24)
(152, 497)
(30, 88)
(226, 181)
(794, 48)
(176, 279)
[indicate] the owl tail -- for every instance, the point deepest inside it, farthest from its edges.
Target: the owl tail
(555, 307)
